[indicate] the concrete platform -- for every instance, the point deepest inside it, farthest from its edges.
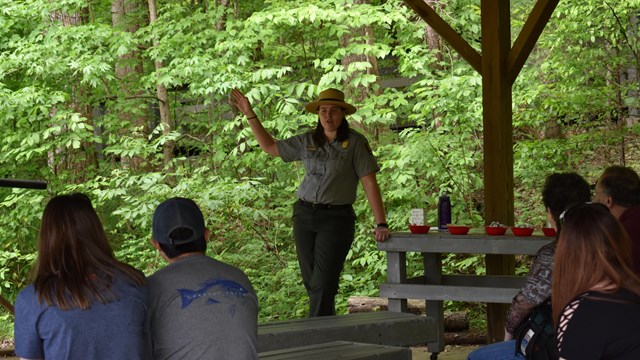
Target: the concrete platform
(451, 352)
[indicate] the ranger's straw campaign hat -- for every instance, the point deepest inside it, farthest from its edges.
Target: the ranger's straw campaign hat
(331, 97)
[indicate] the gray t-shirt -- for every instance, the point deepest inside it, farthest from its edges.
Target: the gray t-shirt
(332, 171)
(202, 308)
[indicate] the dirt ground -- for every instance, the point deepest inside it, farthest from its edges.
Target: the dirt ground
(451, 352)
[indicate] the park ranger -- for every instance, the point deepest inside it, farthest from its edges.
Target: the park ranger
(335, 159)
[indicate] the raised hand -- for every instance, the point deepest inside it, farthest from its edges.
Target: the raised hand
(242, 103)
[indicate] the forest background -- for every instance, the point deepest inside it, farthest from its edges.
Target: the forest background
(127, 101)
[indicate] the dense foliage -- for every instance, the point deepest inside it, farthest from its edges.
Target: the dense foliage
(79, 108)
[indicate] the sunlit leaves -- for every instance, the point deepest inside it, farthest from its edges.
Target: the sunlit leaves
(264, 74)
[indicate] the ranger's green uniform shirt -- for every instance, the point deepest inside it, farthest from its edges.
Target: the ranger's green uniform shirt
(332, 171)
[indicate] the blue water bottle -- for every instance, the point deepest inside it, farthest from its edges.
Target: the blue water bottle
(444, 212)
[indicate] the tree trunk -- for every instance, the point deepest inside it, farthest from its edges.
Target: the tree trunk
(634, 112)
(129, 70)
(632, 73)
(73, 160)
(432, 37)
(552, 129)
(163, 101)
(222, 21)
(359, 92)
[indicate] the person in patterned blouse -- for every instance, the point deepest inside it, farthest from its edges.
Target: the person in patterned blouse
(560, 191)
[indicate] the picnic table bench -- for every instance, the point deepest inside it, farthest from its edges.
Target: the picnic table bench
(436, 287)
(380, 327)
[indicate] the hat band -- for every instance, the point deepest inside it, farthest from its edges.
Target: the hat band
(331, 100)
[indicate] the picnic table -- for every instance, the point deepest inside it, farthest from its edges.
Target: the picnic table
(436, 287)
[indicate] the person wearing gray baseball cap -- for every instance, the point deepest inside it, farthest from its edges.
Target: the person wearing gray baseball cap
(200, 308)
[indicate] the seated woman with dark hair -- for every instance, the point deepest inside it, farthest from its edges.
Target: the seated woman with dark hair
(83, 303)
(596, 294)
(560, 191)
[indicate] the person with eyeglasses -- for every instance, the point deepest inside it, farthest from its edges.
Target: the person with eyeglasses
(560, 191)
(619, 189)
(596, 295)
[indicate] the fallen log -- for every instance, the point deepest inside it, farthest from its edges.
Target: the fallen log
(453, 321)
(366, 304)
(470, 337)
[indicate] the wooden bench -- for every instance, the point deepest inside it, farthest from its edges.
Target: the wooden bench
(380, 327)
(487, 288)
(339, 350)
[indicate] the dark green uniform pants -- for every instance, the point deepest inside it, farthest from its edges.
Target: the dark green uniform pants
(323, 239)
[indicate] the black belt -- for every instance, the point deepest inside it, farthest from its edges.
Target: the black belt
(314, 205)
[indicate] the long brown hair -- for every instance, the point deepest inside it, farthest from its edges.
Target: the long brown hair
(593, 247)
(75, 264)
(318, 134)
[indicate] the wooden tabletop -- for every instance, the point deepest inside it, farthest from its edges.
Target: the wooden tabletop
(472, 243)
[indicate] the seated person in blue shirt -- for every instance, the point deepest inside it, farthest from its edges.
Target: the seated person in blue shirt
(83, 303)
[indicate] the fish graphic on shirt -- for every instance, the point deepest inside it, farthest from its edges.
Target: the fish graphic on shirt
(214, 290)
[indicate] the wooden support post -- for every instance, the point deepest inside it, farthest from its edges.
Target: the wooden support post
(498, 142)
(499, 66)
